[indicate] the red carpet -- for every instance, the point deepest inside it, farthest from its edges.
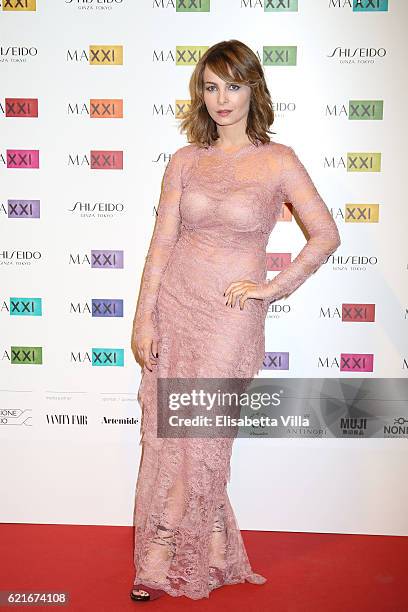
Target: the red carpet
(306, 572)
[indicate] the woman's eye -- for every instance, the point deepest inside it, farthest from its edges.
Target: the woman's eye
(210, 87)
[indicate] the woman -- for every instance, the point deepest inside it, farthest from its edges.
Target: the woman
(202, 310)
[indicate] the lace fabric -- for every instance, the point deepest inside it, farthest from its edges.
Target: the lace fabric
(215, 215)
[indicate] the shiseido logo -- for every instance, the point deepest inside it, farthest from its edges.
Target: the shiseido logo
(101, 259)
(97, 55)
(108, 357)
(98, 308)
(362, 213)
(24, 307)
(357, 55)
(19, 5)
(20, 107)
(97, 4)
(364, 161)
(349, 362)
(103, 108)
(66, 419)
(19, 258)
(97, 160)
(271, 6)
(360, 313)
(97, 209)
(17, 54)
(356, 262)
(22, 209)
(357, 110)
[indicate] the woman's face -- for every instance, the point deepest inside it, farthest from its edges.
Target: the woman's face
(222, 96)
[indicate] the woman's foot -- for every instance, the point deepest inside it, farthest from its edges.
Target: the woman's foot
(140, 592)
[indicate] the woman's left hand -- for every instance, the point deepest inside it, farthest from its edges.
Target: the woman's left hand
(242, 290)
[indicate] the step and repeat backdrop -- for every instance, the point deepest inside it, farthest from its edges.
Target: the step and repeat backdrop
(91, 93)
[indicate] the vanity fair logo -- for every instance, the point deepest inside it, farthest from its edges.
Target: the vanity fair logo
(97, 55)
(19, 5)
(357, 110)
(21, 159)
(102, 259)
(357, 55)
(99, 357)
(24, 307)
(20, 107)
(97, 108)
(97, 160)
(66, 419)
(22, 209)
(14, 54)
(106, 307)
(349, 313)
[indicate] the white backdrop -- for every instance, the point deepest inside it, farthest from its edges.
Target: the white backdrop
(69, 429)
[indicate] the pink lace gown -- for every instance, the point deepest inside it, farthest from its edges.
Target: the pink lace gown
(215, 215)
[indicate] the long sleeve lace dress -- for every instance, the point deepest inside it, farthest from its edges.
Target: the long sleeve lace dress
(216, 212)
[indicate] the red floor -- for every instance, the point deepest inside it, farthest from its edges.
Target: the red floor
(306, 572)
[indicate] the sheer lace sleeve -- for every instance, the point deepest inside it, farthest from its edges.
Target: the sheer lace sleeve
(298, 188)
(165, 236)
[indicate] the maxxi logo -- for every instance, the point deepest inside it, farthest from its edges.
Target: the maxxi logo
(99, 308)
(21, 107)
(25, 307)
(97, 160)
(101, 259)
(100, 357)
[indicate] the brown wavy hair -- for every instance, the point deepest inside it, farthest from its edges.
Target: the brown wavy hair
(226, 58)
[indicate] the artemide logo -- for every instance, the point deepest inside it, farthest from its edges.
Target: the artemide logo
(192, 6)
(279, 56)
(19, 5)
(362, 213)
(357, 110)
(189, 55)
(106, 109)
(21, 107)
(106, 55)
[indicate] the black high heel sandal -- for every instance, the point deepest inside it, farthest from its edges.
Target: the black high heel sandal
(145, 593)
